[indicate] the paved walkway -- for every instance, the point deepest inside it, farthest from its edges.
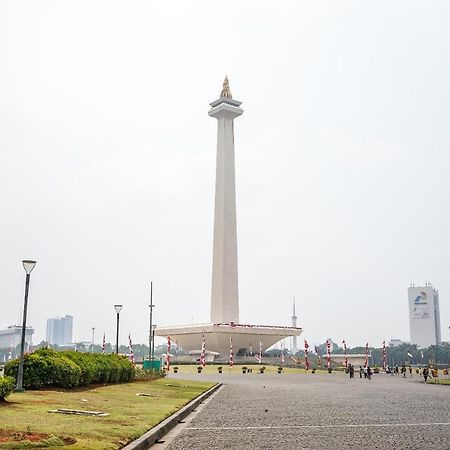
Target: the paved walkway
(318, 411)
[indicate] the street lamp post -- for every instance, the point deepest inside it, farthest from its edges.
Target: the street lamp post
(150, 351)
(28, 265)
(118, 308)
(153, 341)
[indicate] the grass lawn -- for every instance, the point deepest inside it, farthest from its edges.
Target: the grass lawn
(129, 417)
(212, 368)
(439, 381)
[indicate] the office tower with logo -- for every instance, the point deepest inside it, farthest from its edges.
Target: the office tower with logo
(424, 316)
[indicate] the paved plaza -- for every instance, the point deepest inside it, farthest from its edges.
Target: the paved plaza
(314, 411)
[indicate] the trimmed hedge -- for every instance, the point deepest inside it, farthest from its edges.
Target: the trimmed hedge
(45, 367)
(6, 387)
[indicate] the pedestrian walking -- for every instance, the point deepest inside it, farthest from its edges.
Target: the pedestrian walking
(352, 371)
(425, 374)
(365, 371)
(410, 371)
(360, 372)
(403, 370)
(369, 373)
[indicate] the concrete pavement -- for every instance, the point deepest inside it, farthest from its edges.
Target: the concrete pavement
(317, 411)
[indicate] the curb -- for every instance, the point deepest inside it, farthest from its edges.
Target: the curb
(158, 431)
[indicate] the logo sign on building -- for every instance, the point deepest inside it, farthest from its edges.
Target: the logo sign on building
(421, 308)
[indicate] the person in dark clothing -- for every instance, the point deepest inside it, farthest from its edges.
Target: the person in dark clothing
(369, 373)
(403, 370)
(352, 371)
(425, 374)
(360, 371)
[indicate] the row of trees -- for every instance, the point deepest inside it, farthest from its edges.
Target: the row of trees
(395, 355)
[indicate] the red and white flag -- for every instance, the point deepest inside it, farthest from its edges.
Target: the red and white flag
(203, 352)
(328, 353)
(130, 346)
(250, 349)
(231, 353)
(297, 361)
(169, 345)
(366, 361)
(384, 355)
(103, 344)
(282, 358)
(306, 355)
(260, 352)
(345, 353)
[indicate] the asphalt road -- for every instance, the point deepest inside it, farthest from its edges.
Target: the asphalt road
(295, 411)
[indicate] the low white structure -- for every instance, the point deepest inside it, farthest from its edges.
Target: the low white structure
(355, 359)
(12, 336)
(224, 293)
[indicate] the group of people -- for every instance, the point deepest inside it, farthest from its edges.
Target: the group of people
(365, 371)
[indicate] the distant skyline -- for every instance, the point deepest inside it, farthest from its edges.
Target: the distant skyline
(108, 162)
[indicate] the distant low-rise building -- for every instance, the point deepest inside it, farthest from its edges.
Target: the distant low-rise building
(59, 330)
(396, 342)
(12, 336)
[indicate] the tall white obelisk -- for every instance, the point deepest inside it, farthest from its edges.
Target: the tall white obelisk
(224, 292)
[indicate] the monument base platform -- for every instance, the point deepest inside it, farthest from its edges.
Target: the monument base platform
(246, 338)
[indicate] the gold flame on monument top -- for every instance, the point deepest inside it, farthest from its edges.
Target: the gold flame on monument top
(226, 93)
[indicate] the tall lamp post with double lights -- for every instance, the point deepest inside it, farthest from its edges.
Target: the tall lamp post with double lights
(118, 308)
(28, 265)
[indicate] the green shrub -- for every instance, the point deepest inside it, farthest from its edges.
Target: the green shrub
(69, 369)
(148, 374)
(6, 386)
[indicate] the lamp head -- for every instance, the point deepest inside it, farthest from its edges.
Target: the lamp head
(118, 308)
(28, 265)
(154, 327)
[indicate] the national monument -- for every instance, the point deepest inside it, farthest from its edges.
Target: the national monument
(225, 322)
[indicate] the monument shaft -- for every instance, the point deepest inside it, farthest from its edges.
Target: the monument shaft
(224, 292)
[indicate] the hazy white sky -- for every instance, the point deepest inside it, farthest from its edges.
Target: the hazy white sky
(108, 161)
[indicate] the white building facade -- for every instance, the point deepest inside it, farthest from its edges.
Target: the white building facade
(424, 316)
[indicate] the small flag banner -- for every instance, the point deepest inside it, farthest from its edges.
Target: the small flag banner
(319, 356)
(169, 345)
(297, 361)
(306, 355)
(282, 358)
(250, 349)
(202, 354)
(103, 344)
(345, 353)
(258, 359)
(409, 354)
(384, 355)
(130, 346)
(231, 353)
(366, 361)
(260, 352)
(328, 353)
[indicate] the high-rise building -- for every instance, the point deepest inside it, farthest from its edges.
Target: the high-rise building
(59, 330)
(424, 316)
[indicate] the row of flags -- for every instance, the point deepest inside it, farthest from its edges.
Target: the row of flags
(282, 356)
